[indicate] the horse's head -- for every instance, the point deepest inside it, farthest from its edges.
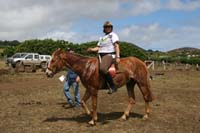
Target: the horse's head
(56, 63)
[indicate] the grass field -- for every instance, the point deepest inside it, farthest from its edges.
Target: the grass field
(2, 64)
(31, 103)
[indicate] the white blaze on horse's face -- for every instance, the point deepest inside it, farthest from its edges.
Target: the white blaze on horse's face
(49, 73)
(53, 66)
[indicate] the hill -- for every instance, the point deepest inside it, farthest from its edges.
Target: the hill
(185, 51)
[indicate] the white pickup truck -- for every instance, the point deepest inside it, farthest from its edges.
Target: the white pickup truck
(30, 61)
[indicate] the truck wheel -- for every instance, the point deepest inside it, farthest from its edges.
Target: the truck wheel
(13, 65)
(43, 66)
(30, 68)
(19, 66)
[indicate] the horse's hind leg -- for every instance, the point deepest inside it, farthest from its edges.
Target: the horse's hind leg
(146, 92)
(130, 89)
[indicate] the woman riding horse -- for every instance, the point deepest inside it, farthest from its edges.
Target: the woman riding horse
(131, 71)
(108, 47)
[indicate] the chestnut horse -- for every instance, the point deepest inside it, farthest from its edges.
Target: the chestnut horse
(130, 71)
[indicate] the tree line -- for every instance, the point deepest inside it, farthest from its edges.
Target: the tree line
(48, 46)
(6, 43)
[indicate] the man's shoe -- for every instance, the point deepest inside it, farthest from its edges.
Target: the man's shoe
(78, 106)
(111, 91)
(71, 104)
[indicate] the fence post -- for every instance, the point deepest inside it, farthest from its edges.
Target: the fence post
(149, 64)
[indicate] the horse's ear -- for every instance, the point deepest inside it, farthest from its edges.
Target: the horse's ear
(59, 49)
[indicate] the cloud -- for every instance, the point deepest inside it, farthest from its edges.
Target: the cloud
(155, 37)
(59, 35)
(70, 36)
(187, 5)
(145, 7)
(58, 19)
(15, 17)
(36, 18)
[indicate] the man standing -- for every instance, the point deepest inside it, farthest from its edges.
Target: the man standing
(72, 79)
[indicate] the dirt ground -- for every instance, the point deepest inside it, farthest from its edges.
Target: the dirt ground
(31, 103)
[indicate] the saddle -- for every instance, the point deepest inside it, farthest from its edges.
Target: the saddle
(112, 70)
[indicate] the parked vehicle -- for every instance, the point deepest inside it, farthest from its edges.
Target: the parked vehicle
(9, 60)
(45, 57)
(44, 60)
(31, 61)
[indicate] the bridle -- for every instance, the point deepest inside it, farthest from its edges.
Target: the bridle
(49, 69)
(57, 57)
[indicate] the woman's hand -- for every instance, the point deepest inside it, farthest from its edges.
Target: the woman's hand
(93, 49)
(118, 60)
(89, 49)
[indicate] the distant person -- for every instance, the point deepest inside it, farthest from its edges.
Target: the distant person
(109, 53)
(72, 80)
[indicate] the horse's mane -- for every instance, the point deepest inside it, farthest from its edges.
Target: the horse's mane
(82, 56)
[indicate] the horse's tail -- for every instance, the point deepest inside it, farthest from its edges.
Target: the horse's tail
(150, 96)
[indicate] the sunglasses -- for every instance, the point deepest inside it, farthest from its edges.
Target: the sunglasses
(107, 26)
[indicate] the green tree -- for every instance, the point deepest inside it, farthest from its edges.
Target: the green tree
(9, 51)
(47, 46)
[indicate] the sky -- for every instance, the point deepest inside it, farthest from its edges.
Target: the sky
(151, 24)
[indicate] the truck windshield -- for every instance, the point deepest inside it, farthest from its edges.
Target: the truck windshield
(19, 55)
(22, 55)
(16, 56)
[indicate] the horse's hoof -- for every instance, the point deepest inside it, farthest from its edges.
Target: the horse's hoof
(91, 123)
(124, 117)
(145, 117)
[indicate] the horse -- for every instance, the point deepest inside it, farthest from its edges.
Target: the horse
(130, 71)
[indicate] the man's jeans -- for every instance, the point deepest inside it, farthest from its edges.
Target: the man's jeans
(75, 87)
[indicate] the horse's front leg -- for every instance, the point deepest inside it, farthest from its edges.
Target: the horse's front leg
(147, 111)
(86, 96)
(94, 112)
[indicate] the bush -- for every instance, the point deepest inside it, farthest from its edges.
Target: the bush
(193, 60)
(47, 46)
